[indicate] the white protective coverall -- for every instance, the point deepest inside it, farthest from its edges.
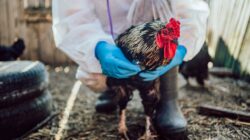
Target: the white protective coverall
(78, 25)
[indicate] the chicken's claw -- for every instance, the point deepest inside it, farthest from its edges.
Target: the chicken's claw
(123, 132)
(148, 136)
(124, 136)
(122, 126)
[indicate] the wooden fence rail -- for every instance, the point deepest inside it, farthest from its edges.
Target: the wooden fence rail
(229, 34)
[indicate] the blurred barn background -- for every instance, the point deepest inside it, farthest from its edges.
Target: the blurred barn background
(228, 33)
(31, 20)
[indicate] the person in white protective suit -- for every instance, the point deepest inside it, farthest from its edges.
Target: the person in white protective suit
(85, 30)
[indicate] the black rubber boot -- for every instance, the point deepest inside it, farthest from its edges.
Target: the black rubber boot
(169, 120)
(106, 102)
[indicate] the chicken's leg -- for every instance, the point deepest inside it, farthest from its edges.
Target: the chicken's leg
(122, 125)
(124, 97)
(148, 135)
(150, 98)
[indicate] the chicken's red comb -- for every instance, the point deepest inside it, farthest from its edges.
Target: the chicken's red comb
(167, 38)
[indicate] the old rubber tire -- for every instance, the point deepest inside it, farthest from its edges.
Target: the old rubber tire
(18, 119)
(20, 81)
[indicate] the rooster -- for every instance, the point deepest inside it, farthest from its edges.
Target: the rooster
(13, 52)
(149, 45)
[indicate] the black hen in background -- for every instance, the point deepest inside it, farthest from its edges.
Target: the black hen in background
(197, 67)
(13, 52)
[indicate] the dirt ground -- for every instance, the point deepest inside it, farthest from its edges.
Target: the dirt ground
(85, 124)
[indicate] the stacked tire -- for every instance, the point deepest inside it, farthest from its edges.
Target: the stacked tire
(24, 98)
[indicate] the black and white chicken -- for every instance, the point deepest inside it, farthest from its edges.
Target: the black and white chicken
(149, 45)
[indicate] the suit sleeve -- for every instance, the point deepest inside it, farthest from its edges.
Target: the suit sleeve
(77, 30)
(193, 16)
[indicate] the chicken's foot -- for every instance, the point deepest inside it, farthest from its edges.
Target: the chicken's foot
(148, 135)
(122, 125)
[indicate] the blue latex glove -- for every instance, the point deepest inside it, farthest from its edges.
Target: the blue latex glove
(177, 60)
(113, 62)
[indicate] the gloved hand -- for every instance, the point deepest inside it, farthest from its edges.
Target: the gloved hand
(113, 62)
(177, 60)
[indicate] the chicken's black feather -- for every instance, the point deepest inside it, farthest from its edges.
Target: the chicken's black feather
(197, 67)
(13, 52)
